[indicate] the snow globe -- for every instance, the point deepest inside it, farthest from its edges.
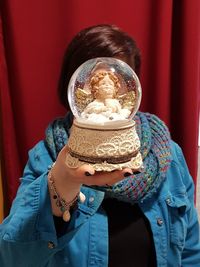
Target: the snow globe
(104, 94)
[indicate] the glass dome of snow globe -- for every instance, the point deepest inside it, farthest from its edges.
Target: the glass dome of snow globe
(104, 91)
(104, 94)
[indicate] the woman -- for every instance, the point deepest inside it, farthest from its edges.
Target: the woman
(140, 219)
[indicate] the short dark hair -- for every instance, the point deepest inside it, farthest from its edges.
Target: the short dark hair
(102, 40)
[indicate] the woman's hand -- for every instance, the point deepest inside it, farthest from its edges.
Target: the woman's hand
(69, 180)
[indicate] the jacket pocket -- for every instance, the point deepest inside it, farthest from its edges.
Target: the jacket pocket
(178, 205)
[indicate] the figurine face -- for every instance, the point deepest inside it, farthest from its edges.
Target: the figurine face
(105, 88)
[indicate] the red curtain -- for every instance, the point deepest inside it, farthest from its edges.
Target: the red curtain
(9, 158)
(35, 36)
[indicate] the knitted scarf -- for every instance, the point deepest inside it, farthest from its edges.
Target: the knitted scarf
(155, 150)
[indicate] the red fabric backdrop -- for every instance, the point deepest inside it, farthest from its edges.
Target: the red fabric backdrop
(35, 36)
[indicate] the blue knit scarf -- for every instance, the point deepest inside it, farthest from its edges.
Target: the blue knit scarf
(155, 150)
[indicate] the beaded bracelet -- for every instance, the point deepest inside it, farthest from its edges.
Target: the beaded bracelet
(60, 202)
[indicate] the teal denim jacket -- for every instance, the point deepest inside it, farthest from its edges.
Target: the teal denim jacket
(28, 236)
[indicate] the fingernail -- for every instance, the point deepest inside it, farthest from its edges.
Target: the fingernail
(88, 174)
(126, 174)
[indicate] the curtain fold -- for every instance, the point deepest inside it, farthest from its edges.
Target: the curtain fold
(31, 53)
(10, 167)
(185, 79)
(1, 198)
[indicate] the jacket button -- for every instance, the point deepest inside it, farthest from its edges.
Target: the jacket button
(159, 222)
(168, 200)
(51, 245)
(91, 199)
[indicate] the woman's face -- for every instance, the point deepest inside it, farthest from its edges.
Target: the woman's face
(106, 88)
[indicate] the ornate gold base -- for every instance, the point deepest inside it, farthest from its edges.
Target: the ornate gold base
(106, 148)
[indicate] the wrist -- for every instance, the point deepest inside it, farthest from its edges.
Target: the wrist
(61, 206)
(66, 188)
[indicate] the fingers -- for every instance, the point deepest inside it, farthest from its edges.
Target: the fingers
(109, 178)
(127, 172)
(85, 170)
(86, 174)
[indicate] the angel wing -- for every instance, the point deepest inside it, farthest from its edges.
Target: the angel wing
(82, 98)
(127, 100)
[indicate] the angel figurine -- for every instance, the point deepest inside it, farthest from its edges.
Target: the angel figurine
(102, 101)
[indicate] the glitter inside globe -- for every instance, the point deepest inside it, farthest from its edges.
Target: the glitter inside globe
(104, 91)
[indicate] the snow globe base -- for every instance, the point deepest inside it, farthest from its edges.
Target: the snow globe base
(105, 147)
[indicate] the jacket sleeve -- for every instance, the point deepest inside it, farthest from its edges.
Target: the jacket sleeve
(191, 252)
(28, 235)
